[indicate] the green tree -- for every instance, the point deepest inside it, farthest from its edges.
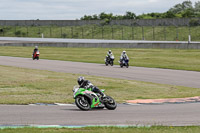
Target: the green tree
(103, 16)
(129, 15)
(86, 17)
(197, 6)
(94, 17)
(178, 8)
(187, 5)
(169, 14)
(188, 13)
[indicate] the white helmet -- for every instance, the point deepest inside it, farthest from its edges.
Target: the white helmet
(36, 47)
(109, 51)
(124, 52)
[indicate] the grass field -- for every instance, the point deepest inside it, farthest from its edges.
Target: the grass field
(154, 129)
(170, 33)
(155, 58)
(24, 86)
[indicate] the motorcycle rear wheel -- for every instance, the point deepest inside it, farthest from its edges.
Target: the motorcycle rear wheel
(110, 104)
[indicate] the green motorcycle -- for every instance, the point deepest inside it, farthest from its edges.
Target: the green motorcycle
(85, 99)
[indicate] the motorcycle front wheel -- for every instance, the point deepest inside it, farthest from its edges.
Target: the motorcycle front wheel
(106, 63)
(111, 63)
(127, 65)
(82, 103)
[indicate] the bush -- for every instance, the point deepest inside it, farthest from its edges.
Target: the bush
(18, 33)
(194, 22)
(64, 35)
(105, 22)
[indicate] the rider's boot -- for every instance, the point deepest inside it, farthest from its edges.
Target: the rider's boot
(102, 94)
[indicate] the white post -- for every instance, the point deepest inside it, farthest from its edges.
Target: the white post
(42, 35)
(189, 38)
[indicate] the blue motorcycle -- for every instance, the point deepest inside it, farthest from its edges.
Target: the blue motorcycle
(124, 62)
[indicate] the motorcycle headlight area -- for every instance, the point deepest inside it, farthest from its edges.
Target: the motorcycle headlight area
(75, 90)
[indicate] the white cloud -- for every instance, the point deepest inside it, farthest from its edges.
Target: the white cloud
(72, 9)
(153, 1)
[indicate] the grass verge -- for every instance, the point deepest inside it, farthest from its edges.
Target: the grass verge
(153, 129)
(25, 86)
(155, 58)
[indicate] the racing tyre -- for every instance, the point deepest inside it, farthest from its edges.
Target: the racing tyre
(127, 65)
(110, 103)
(106, 63)
(111, 63)
(82, 103)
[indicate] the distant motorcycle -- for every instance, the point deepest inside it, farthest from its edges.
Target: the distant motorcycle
(36, 55)
(85, 99)
(109, 60)
(124, 62)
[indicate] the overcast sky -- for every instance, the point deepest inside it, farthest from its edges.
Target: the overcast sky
(75, 9)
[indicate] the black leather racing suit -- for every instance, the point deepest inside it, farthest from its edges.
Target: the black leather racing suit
(87, 84)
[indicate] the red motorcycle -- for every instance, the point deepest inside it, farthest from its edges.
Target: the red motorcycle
(36, 55)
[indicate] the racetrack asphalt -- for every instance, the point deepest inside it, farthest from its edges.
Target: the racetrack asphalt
(161, 114)
(166, 114)
(155, 75)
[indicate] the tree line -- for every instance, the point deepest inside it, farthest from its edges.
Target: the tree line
(181, 10)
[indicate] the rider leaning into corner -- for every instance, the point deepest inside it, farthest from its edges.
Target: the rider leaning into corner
(35, 50)
(123, 56)
(87, 84)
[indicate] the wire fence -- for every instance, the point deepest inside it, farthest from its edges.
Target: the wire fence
(160, 33)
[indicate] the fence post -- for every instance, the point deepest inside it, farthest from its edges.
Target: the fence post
(122, 33)
(92, 32)
(189, 30)
(132, 33)
(61, 32)
(39, 31)
(82, 31)
(27, 31)
(177, 35)
(142, 33)
(50, 31)
(3, 30)
(165, 37)
(15, 30)
(112, 33)
(153, 33)
(72, 32)
(189, 34)
(102, 32)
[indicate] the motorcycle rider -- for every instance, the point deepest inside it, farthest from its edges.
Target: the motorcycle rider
(109, 55)
(35, 50)
(87, 84)
(123, 56)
